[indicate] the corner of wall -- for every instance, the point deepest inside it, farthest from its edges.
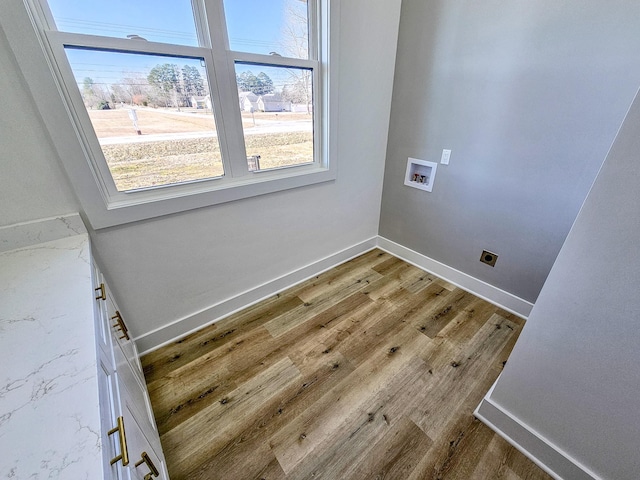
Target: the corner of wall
(501, 298)
(540, 450)
(170, 332)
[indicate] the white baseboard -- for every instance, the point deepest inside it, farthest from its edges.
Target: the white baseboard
(505, 300)
(191, 323)
(537, 448)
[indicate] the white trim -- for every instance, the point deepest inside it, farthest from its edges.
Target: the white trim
(273, 60)
(505, 300)
(540, 450)
(184, 326)
(125, 45)
(174, 330)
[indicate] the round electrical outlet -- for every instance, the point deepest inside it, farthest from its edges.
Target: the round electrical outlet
(488, 258)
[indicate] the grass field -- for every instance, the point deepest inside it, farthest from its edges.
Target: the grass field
(135, 164)
(142, 165)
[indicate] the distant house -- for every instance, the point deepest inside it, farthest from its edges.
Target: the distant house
(273, 102)
(248, 101)
(302, 107)
(202, 101)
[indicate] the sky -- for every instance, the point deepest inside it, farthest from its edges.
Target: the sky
(253, 26)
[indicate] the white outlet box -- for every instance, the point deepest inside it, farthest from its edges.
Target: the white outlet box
(420, 174)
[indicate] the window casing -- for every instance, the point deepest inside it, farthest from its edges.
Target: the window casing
(105, 204)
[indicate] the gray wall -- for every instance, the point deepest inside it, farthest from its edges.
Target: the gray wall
(573, 376)
(528, 96)
(32, 183)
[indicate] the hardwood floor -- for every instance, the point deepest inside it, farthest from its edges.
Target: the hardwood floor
(369, 371)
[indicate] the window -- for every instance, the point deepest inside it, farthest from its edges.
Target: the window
(180, 104)
(150, 114)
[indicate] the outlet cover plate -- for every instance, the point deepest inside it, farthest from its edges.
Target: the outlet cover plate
(489, 258)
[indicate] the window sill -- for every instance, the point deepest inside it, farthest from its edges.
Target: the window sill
(142, 205)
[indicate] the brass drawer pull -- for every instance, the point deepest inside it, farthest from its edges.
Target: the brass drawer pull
(120, 325)
(103, 292)
(124, 454)
(146, 459)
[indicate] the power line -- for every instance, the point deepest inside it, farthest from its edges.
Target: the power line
(117, 27)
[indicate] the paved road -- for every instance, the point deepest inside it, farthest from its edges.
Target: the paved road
(265, 126)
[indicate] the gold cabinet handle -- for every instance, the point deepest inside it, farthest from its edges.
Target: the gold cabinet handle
(120, 325)
(146, 459)
(103, 292)
(124, 454)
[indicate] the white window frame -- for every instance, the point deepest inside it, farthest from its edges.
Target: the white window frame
(82, 155)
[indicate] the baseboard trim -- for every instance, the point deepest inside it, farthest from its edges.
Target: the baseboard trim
(538, 449)
(502, 299)
(184, 326)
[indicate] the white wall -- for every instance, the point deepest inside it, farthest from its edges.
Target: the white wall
(528, 95)
(168, 268)
(573, 376)
(32, 183)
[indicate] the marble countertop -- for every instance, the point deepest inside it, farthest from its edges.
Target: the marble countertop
(49, 401)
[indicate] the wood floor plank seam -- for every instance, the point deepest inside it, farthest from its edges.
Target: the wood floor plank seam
(370, 370)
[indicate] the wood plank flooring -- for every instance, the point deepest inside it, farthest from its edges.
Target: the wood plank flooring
(369, 371)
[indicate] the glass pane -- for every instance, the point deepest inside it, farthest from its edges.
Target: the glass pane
(167, 21)
(275, 27)
(152, 115)
(276, 105)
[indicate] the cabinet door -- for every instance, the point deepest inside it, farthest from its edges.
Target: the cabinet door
(129, 400)
(109, 412)
(101, 316)
(144, 457)
(122, 337)
(134, 393)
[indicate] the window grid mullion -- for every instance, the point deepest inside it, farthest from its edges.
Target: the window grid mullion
(227, 90)
(125, 45)
(313, 29)
(202, 27)
(261, 59)
(221, 127)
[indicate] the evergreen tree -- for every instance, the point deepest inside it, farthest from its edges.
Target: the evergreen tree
(192, 80)
(260, 85)
(165, 78)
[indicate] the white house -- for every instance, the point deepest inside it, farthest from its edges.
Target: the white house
(202, 101)
(248, 101)
(302, 107)
(273, 102)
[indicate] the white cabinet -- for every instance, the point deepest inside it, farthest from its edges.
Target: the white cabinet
(123, 395)
(109, 412)
(69, 377)
(145, 461)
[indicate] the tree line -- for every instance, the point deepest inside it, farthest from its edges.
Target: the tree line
(168, 85)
